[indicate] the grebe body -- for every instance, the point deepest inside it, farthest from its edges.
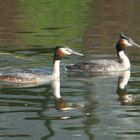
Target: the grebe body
(122, 64)
(37, 78)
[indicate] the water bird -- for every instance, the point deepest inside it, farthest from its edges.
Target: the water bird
(103, 65)
(33, 79)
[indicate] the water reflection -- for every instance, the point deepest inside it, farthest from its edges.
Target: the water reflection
(59, 102)
(123, 78)
(47, 120)
(62, 112)
(35, 108)
(124, 97)
(87, 112)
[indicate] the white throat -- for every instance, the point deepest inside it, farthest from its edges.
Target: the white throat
(56, 69)
(56, 88)
(56, 79)
(124, 61)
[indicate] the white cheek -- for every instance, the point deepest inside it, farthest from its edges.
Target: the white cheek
(127, 43)
(64, 50)
(67, 53)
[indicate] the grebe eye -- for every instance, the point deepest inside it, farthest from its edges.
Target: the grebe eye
(67, 50)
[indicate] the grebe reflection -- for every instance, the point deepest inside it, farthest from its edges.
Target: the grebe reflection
(124, 96)
(60, 104)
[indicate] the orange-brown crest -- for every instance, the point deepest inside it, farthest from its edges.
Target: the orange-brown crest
(59, 53)
(122, 44)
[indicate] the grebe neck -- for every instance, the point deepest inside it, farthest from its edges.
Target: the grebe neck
(56, 78)
(56, 88)
(56, 69)
(123, 60)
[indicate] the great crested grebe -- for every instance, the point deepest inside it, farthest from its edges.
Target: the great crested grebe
(38, 79)
(122, 64)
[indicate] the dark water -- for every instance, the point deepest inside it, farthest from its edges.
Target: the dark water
(93, 107)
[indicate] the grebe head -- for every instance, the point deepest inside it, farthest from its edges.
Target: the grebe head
(61, 51)
(124, 42)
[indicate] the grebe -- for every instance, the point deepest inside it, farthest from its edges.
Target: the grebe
(38, 79)
(122, 64)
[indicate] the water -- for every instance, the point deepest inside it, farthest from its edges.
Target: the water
(92, 107)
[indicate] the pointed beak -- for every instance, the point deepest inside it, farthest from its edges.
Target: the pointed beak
(136, 45)
(76, 53)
